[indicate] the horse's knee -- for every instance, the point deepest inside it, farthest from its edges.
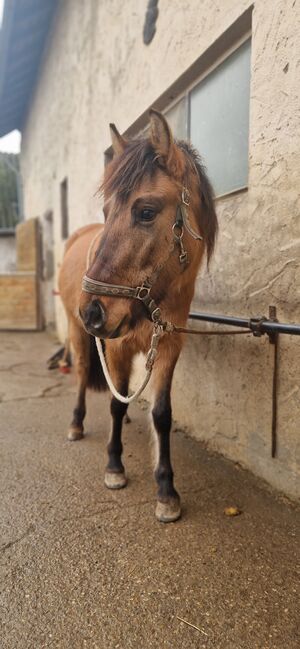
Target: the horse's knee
(162, 415)
(82, 366)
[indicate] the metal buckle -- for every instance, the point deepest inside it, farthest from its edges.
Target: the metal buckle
(150, 359)
(185, 196)
(179, 227)
(156, 315)
(143, 292)
(183, 258)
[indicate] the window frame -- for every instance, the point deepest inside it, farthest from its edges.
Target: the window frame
(186, 96)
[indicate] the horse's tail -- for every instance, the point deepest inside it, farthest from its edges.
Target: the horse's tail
(96, 378)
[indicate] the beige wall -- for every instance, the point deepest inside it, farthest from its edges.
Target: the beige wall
(97, 70)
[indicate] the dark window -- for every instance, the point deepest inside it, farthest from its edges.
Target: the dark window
(64, 209)
(10, 192)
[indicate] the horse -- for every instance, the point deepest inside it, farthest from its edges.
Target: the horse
(132, 278)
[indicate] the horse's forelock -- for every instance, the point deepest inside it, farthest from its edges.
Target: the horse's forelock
(126, 172)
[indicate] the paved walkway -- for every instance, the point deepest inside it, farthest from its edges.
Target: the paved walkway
(85, 567)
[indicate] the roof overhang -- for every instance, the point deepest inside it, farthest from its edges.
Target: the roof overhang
(23, 35)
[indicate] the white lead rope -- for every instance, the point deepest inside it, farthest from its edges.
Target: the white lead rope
(158, 331)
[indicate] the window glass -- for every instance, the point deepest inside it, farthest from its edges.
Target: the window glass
(177, 119)
(219, 121)
(9, 191)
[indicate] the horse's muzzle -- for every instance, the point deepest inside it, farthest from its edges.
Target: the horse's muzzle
(93, 318)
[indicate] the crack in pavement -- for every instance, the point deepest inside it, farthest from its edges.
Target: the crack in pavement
(43, 394)
(31, 528)
(10, 368)
(49, 388)
(14, 366)
(113, 505)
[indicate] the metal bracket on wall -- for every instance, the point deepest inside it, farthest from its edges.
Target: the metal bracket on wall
(259, 326)
(274, 340)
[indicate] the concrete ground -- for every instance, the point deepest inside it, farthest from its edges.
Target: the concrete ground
(85, 567)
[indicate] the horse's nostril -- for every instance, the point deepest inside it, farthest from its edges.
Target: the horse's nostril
(94, 315)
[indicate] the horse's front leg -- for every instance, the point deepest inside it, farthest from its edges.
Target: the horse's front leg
(119, 363)
(80, 341)
(168, 501)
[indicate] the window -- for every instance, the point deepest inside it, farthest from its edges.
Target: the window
(219, 121)
(10, 193)
(214, 116)
(177, 117)
(64, 209)
(213, 113)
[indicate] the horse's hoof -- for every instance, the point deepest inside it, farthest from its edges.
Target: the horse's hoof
(115, 480)
(75, 434)
(168, 512)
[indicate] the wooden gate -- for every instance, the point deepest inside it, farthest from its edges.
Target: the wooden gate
(20, 290)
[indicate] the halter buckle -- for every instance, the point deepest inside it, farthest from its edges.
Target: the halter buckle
(185, 196)
(177, 231)
(156, 315)
(183, 258)
(142, 292)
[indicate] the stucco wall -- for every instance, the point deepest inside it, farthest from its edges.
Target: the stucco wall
(97, 70)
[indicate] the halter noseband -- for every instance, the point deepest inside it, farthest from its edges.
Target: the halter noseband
(142, 293)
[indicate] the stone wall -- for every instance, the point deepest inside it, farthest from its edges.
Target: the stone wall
(96, 70)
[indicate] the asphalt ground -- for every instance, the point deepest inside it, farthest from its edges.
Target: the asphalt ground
(85, 567)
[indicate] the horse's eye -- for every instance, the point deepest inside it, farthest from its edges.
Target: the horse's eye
(147, 214)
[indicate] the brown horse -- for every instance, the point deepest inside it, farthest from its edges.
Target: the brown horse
(138, 271)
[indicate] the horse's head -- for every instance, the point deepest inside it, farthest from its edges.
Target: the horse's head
(159, 218)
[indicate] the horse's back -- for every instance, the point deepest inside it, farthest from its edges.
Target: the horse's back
(82, 233)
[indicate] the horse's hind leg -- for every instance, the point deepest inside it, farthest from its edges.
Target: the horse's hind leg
(119, 362)
(80, 341)
(168, 501)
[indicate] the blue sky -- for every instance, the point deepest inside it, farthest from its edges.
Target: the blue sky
(10, 142)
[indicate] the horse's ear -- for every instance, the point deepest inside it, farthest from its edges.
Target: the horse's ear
(163, 143)
(118, 142)
(160, 134)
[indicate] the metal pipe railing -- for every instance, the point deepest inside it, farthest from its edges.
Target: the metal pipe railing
(258, 325)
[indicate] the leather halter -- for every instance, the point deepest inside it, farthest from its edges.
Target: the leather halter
(142, 292)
